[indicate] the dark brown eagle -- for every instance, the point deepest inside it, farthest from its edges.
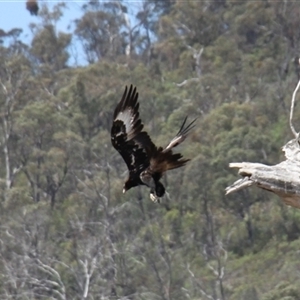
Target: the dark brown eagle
(146, 162)
(32, 6)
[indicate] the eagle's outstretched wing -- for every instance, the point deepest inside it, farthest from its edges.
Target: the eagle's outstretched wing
(126, 115)
(126, 133)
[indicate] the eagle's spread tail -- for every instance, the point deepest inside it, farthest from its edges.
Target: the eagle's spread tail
(174, 161)
(165, 161)
(181, 135)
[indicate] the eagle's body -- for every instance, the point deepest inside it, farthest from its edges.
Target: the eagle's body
(146, 163)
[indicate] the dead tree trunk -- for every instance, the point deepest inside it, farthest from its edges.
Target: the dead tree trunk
(282, 179)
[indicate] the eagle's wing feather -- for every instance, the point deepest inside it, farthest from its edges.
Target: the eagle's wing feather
(127, 112)
(127, 137)
(181, 135)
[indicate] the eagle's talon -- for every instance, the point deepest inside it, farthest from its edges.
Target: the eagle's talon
(154, 198)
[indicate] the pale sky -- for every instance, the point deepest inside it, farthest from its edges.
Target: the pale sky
(13, 14)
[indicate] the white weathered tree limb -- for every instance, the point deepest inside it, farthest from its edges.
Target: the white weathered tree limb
(184, 82)
(292, 110)
(282, 179)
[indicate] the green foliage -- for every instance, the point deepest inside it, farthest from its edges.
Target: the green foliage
(283, 290)
(66, 229)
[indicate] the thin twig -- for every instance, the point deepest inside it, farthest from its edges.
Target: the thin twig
(292, 110)
(184, 82)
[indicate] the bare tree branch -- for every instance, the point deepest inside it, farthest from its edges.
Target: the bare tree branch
(197, 56)
(202, 291)
(186, 81)
(53, 273)
(292, 110)
(88, 272)
(281, 179)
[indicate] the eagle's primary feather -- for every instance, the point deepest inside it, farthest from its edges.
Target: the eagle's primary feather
(146, 163)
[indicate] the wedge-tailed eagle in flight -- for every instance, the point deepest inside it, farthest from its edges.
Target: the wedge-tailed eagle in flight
(146, 162)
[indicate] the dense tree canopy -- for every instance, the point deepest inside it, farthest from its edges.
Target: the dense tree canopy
(66, 229)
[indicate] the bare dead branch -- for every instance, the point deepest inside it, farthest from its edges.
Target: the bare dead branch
(281, 179)
(197, 56)
(292, 110)
(198, 283)
(52, 272)
(4, 87)
(186, 81)
(88, 272)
